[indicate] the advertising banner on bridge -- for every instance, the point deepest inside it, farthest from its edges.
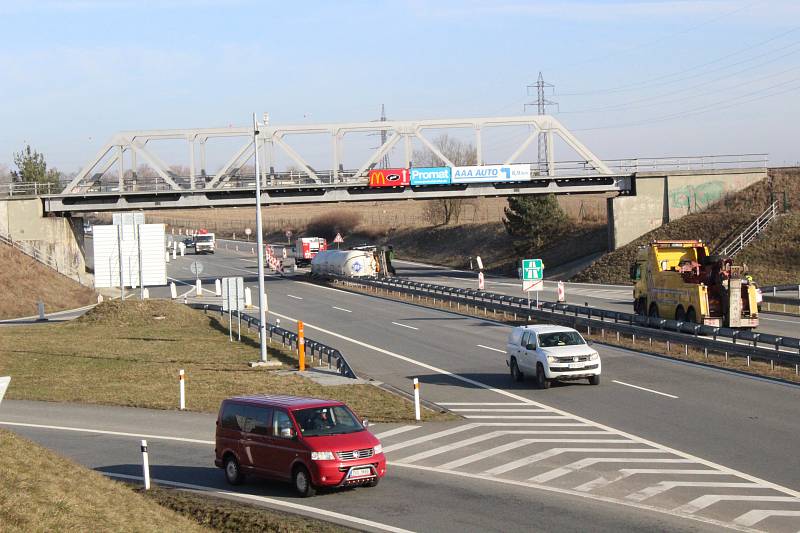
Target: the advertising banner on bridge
(491, 173)
(388, 177)
(430, 176)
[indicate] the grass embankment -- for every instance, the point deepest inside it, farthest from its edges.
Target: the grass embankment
(773, 257)
(129, 353)
(24, 281)
(40, 491)
(642, 343)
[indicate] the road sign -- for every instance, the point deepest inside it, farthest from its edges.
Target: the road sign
(233, 294)
(561, 295)
(196, 267)
(248, 231)
(288, 235)
(338, 238)
(480, 281)
(532, 285)
(532, 269)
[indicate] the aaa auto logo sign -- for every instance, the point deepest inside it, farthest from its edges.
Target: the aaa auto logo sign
(389, 177)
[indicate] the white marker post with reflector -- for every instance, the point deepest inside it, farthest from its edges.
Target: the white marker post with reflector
(182, 381)
(561, 295)
(416, 399)
(4, 381)
(146, 465)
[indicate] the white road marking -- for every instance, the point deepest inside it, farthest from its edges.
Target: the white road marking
(342, 309)
(494, 434)
(490, 348)
(751, 518)
(404, 325)
(104, 432)
(271, 501)
(589, 461)
(524, 400)
(485, 403)
(707, 500)
(396, 431)
(432, 436)
(491, 410)
(628, 472)
(664, 486)
(644, 389)
(768, 319)
(293, 296)
(520, 417)
(552, 452)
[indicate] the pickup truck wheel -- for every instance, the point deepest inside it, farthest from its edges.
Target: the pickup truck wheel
(594, 380)
(301, 480)
(541, 378)
(233, 472)
(516, 373)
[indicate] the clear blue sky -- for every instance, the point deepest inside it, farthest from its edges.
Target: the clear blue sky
(633, 79)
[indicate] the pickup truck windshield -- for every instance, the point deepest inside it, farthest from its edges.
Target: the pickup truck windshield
(204, 238)
(560, 338)
(333, 420)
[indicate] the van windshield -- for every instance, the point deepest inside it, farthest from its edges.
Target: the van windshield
(560, 338)
(204, 238)
(330, 420)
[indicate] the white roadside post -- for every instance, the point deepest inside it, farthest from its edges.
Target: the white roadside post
(40, 307)
(174, 250)
(4, 381)
(145, 466)
(182, 248)
(248, 297)
(145, 293)
(217, 287)
(183, 389)
(416, 399)
(166, 256)
(198, 288)
(173, 290)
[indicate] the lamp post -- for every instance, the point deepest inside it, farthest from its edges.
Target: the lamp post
(262, 328)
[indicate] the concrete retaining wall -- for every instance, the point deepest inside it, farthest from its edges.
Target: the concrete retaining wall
(660, 198)
(60, 239)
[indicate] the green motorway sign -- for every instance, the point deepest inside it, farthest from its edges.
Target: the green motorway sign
(532, 269)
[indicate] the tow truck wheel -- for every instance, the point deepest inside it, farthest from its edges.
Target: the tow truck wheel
(641, 306)
(691, 316)
(680, 314)
(653, 310)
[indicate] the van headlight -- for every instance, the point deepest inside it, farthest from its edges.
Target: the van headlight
(322, 456)
(552, 359)
(378, 449)
(594, 357)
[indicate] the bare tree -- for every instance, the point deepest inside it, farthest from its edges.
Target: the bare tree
(5, 175)
(443, 211)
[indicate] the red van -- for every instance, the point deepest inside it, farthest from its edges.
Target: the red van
(310, 442)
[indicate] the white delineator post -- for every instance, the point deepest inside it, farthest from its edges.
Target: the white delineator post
(218, 287)
(145, 466)
(183, 388)
(416, 399)
(40, 307)
(198, 288)
(173, 290)
(248, 297)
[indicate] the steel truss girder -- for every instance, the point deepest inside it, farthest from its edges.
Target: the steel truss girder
(274, 136)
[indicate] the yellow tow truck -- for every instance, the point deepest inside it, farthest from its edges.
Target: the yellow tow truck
(680, 280)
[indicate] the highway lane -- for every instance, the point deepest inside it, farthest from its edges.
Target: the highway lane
(407, 498)
(611, 297)
(706, 419)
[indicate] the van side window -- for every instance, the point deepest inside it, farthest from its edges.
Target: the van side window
(259, 420)
(280, 420)
(525, 337)
(234, 416)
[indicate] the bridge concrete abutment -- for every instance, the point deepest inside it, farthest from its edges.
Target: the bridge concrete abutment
(55, 241)
(659, 198)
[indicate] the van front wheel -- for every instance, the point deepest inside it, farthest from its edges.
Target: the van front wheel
(233, 473)
(301, 480)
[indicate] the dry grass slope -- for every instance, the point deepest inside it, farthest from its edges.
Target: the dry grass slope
(24, 281)
(774, 257)
(129, 353)
(40, 491)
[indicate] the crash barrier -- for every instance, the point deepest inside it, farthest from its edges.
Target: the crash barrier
(733, 342)
(323, 352)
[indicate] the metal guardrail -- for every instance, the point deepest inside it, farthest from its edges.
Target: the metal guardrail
(334, 357)
(47, 260)
(12, 190)
(741, 343)
(750, 232)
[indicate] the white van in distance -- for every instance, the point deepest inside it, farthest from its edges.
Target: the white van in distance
(549, 353)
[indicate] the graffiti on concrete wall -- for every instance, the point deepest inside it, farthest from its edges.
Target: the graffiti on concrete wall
(696, 196)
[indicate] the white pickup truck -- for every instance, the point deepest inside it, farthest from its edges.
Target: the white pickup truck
(204, 243)
(551, 353)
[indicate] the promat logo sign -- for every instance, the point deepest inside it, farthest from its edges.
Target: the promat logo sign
(388, 177)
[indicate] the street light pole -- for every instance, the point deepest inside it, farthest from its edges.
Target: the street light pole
(262, 330)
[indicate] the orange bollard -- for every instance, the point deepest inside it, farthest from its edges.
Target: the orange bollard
(301, 345)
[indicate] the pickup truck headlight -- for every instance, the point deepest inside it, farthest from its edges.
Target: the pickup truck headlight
(378, 449)
(322, 456)
(594, 357)
(551, 359)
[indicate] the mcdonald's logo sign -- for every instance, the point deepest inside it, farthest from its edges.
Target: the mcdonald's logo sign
(389, 177)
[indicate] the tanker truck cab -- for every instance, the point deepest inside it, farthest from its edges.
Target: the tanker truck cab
(204, 242)
(550, 353)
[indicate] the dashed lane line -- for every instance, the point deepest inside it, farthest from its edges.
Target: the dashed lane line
(490, 348)
(295, 297)
(404, 325)
(645, 389)
(341, 309)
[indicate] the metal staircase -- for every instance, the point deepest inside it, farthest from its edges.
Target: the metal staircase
(735, 245)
